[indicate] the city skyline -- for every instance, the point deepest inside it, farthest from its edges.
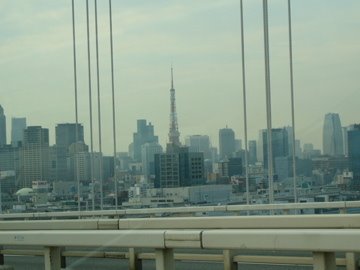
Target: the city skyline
(206, 57)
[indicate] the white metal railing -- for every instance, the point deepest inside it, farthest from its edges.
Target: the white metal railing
(342, 206)
(323, 235)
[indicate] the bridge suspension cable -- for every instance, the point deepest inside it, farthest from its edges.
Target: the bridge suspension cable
(244, 102)
(76, 161)
(268, 100)
(292, 101)
(90, 107)
(113, 102)
(99, 108)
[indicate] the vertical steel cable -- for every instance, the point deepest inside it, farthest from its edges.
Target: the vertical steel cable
(90, 107)
(244, 102)
(268, 100)
(113, 103)
(292, 101)
(99, 107)
(76, 161)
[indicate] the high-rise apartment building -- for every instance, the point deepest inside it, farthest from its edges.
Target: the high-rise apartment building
(226, 143)
(144, 134)
(2, 127)
(179, 168)
(332, 135)
(18, 125)
(65, 135)
(35, 155)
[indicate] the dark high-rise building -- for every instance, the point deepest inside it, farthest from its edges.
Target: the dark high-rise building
(9, 161)
(332, 135)
(226, 143)
(354, 152)
(65, 135)
(35, 155)
(179, 168)
(144, 134)
(228, 168)
(2, 127)
(252, 152)
(18, 125)
(280, 144)
(235, 166)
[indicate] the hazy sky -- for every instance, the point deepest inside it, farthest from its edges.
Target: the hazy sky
(202, 40)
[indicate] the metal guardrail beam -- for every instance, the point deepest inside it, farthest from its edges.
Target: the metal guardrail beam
(321, 234)
(86, 238)
(245, 222)
(341, 240)
(185, 210)
(325, 240)
(225, 222)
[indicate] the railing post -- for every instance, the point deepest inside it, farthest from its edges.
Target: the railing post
(1, 257)
(62, 259)
(164, 259)
(229, 263)
(2, 262)
(324, 261)
(134, 262)
(352, 261)
(52, 258)
(286, 211)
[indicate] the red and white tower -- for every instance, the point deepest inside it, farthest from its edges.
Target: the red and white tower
(174, 134)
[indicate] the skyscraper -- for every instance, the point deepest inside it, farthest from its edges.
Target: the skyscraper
(65, 135)
(2, 127)
(179, 168)
(332, 135)
(199, 143)
(148, 151)
(18, 125)
(354, 152)
(35, 154)
(280, 144)
(226, 143)
(144, 134)
(252, 152)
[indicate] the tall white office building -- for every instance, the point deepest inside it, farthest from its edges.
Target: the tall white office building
(333, 144)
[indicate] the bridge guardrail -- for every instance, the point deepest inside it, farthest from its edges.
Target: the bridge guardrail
(343, 206)
(321, 234)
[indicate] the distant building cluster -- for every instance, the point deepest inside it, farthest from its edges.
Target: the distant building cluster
(149, 174)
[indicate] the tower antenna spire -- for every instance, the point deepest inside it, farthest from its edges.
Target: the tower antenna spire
(174, 134)
(172, 77)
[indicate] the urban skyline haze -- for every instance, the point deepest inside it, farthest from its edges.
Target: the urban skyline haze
(202, 40)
